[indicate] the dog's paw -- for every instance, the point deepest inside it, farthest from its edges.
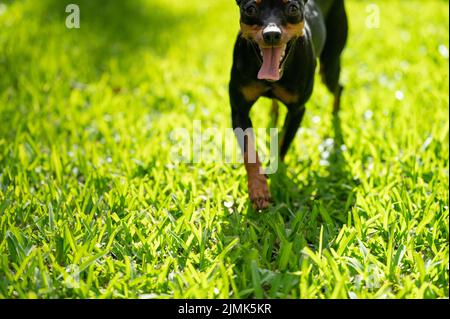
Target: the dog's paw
(259, 192)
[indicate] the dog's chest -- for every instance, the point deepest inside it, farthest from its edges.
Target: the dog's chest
(271, 90)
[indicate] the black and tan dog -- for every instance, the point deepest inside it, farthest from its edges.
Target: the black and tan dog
(275, 56)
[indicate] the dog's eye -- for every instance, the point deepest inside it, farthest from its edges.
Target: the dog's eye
(293, 10)
(251, 11)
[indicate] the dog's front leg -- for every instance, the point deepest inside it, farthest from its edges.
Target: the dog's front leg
(243, 128)
(292, 123)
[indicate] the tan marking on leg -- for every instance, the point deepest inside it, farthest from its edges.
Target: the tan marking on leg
(337, 99)
(275, 113)
(258, 187)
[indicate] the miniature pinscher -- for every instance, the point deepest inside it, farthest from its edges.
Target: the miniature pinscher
(275, 56)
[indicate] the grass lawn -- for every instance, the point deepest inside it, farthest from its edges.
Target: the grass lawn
(91, 205)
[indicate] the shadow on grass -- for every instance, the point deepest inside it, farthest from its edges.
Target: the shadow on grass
(132, 24)
(116, 29)
(271, 242)
(321, 199)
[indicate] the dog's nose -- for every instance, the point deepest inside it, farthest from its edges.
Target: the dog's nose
(272, 34)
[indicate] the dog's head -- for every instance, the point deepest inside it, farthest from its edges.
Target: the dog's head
(272, 25)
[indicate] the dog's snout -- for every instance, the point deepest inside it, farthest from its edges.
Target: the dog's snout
(272, 34)
(272, 38)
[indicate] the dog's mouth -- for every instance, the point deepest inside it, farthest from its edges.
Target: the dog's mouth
(273, 61)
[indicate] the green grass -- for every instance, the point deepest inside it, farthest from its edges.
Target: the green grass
(92, 207)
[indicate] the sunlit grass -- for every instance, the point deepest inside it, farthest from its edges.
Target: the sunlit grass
(92, 207)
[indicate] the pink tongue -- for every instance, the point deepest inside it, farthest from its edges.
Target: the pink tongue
(270, 69)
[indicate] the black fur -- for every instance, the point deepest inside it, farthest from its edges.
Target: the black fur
(325, 37)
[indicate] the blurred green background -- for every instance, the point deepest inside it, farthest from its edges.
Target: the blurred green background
(92, 207)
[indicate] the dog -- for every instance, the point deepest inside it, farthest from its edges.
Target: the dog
(275, 56)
